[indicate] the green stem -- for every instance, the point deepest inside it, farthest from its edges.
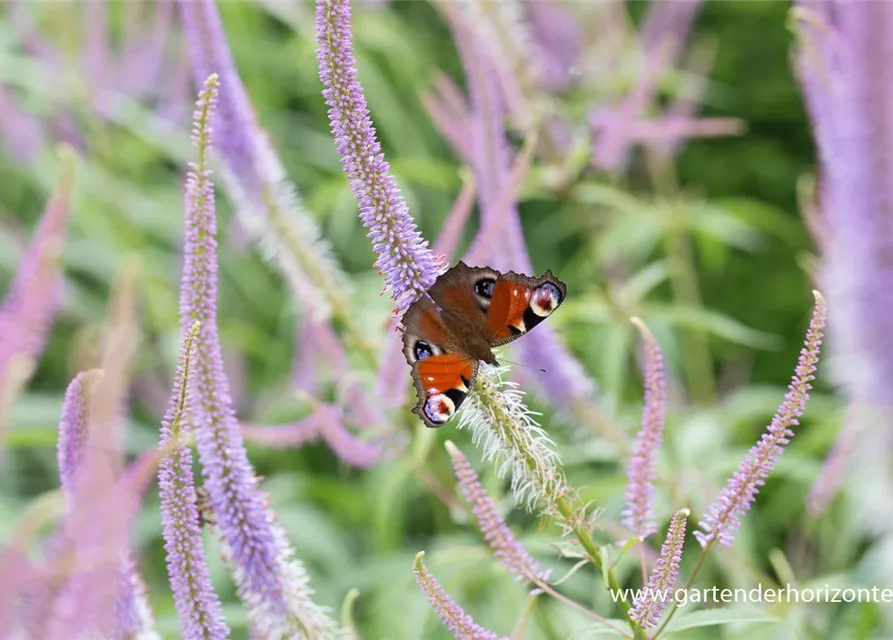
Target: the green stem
(684, 280)
(593, 551)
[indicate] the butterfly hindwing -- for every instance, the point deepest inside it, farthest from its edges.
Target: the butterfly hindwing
(519, 303)
(440, 371)
(442, 384)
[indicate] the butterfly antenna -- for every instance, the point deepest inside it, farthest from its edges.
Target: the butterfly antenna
(526, 366)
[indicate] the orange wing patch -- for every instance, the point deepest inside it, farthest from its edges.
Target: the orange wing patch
(439, 374)
(505, 318)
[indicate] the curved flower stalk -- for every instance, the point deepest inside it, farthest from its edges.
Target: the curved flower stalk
(647, 609)
(507, 432)
(639, 512)
(271, 581)
(197, 604)
(408, 266)
(267, 202)
(451, 614)
(326, 423)
(724, 516)
(28, 310)
(506, 548)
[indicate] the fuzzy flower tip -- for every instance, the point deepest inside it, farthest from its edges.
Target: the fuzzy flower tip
(404, 259)
(723, 516)
(639, 513)
(452, 615)
(197, 605)
(270, 580)
(507, 549)
(73, 427)
(507, 431)
(646, 610)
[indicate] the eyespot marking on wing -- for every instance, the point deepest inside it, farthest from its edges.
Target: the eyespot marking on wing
(483, 291)
(422, 350)
(545, 299)
(439, 408)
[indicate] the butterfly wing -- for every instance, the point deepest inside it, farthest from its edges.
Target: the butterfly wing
(441, 373)
(467, 309)
(519, 303)
(465, 293)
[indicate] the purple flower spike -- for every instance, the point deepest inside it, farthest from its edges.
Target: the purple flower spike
(639, 513)
(647, 609)
(270, 580)
(404, 259)
(507, 549)
(27, 312)
(723, 516)
(452, 615)
(844, 68)
(73, 428)
(197, 605)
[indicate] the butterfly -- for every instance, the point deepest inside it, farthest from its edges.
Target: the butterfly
(451, 330)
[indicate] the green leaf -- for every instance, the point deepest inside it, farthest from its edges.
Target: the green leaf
(714, 617)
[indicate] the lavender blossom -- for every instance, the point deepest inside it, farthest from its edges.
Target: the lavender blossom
(647, 609)
(27, 312)
(197, 605)
(723, 516)
(507, 549)
(507, 432)
(639, 513)
(408, 266)
(452, 615)
(270, 580)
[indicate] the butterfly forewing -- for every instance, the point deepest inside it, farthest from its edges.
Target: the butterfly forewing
(520, 303)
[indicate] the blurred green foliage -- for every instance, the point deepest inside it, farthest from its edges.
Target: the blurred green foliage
(735, 202)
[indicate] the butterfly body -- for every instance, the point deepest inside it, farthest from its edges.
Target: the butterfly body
(467, 312)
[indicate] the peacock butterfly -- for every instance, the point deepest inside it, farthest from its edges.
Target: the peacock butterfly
(467, 312)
